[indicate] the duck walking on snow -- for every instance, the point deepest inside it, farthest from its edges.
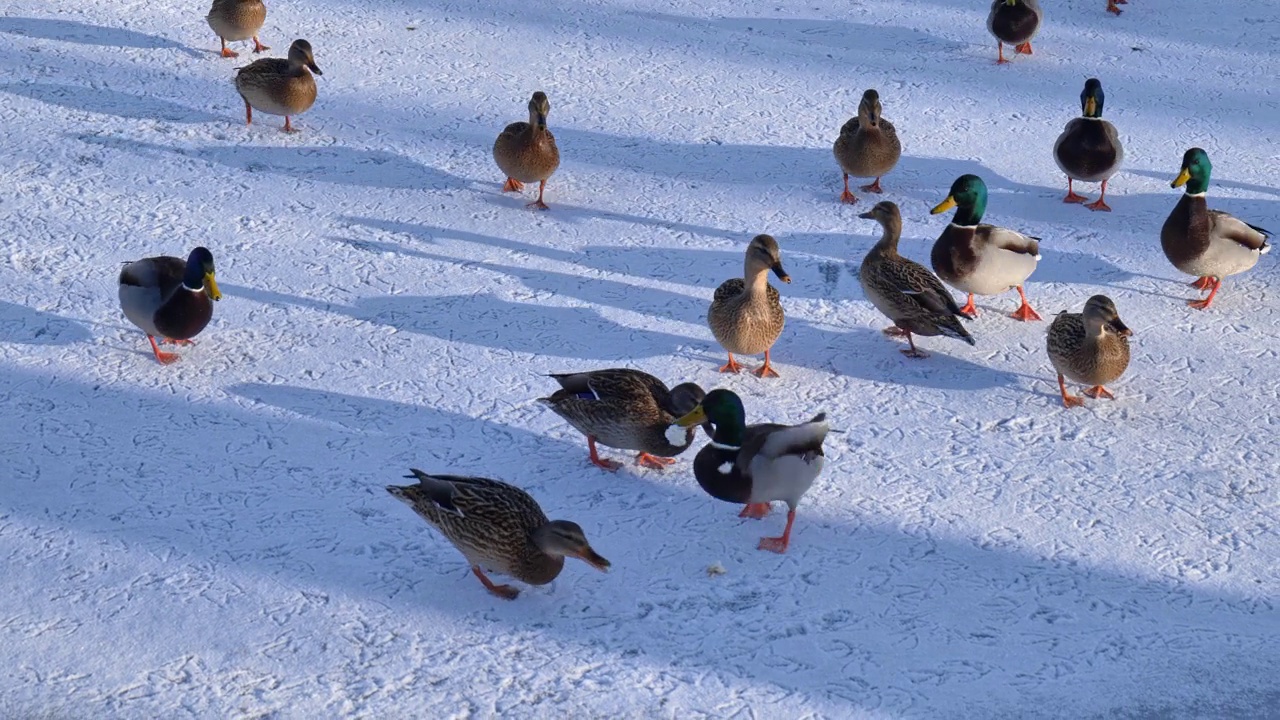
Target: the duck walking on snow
(1015, 22)
(527, 152)
(746, 313)
(1091, 347)
(1089, 148)
(868, 146)
(169, 298)
(279, 86)
(237, 20)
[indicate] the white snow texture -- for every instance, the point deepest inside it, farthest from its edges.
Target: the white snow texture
(212, 538)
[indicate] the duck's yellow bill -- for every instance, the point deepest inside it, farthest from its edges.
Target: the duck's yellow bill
(1182, 178)
(211, 287)
(943, 206)
(1090, 106)
(697, 416)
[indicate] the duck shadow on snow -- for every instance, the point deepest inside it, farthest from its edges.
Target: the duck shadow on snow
(88, 34)
(27, 326)
(858, 614)
(108, 102)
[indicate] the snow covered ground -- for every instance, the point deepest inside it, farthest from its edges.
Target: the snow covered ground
(212, 539)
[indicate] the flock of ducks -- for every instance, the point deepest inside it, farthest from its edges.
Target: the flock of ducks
(500, 528)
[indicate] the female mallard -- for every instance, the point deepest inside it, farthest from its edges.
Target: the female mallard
(905, 291)
(237, 20)
(1089, 148)
(1210, 244)
(625, 409)
(1014, 22)
(527, 152)
(279, 87)
(982, 259)
(746, 313)
(867, 147)
(497, 527)
(169, 298)
(1090, 348)
(1111, 5)
(756, 464)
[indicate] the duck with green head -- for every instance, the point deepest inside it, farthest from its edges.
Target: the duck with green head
(1015, 22)
(756, 464)
(981, 259)
(1089, 148)
(1209, 244)
(169, 298)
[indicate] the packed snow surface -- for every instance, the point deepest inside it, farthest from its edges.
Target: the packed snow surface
(212, 538)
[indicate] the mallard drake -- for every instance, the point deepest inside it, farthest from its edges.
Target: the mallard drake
(625, 409)
(905, 291)
(237, 20)
(527, 152)
(1111, 5)
(756, 464)
(1015, 22)
(746, 313)
(1210, 244)
(497, 527)
(868, 146)
(1089, 148)
(277, 86)
(169, 298)
(982, 259)
(1090, 348)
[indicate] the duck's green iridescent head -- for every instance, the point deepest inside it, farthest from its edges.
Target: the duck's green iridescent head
(969, 195)
(723, 408)
(199, 275)
(1091, 98)
(1196, 169)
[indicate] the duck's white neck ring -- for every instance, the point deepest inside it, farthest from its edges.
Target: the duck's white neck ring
(187, 287)
(1191, 194)
(722, 446)
(962, 227)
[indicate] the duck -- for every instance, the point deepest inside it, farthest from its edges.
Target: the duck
(277, 86)
(526, 151)
(169, 298)
(237, 20)
(1209, 244)
(498, 528)
(1089, 148)
(756, 464)
(1090, 347)
(626, 409)
(904, 290)
(1015, 22)
(868, 146)
(746, 314)
(1113, 6)
(982, 259)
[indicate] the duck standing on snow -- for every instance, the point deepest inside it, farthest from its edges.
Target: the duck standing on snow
(982, 259)
(527, 152)
(756, 464)
(868, 146)
(277, 86)
(905, 291)
(1210, 244)
(746, 313)
(236, 20)
(497, 527)
(1089, 148)
(626, 409)
(169, 298)
(1014, 22)
(1090, 348)
(1111, 5)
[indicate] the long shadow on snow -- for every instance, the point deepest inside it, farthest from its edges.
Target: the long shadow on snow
(858, 614)
(488, 321)
(28, 326)
(108, 102)
(88, 34)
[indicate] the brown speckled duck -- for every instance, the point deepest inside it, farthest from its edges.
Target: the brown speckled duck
(626, 409)
(1090, 348)
(279, 86)
(1015, 22)
(236, 20)
(1209, 244)
(527, 152)
(497, 527)
(169, 298)
(868, 146)
(746, 313)
(1089, 148)
(905, 291)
